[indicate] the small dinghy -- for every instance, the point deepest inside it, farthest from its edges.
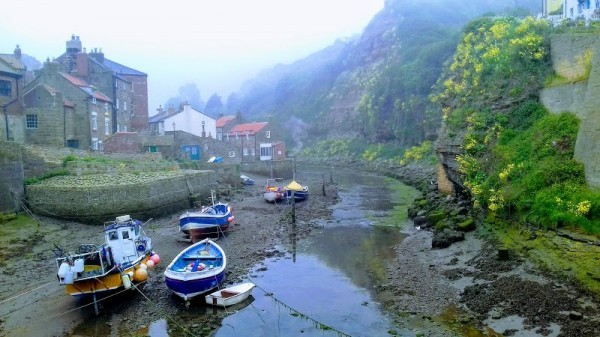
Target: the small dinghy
(230, 295)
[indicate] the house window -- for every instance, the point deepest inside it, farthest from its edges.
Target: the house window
(74, 143)
(266, 151)
(31, 122)
(5, 88)
(106, 126)
(231, 154)
(237, 135)
(247, 134)
(95, 144)
(219, 135)
(94, 100)
(268, 134)
(94, 121)
(125, 105)
(227, 136)
(106, 107)
(245, 151)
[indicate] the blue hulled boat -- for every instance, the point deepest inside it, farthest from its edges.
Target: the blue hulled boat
(296, 191)
(209, 220)
(196, 270)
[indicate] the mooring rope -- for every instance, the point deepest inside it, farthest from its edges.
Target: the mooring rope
(299, 313)
(25, 292)
(164, 312)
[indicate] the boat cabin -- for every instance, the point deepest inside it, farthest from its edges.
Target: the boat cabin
(124, 238)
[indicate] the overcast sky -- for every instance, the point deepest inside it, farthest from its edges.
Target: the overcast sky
(216, 44)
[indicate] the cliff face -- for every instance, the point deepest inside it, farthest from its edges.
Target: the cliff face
(373, 86)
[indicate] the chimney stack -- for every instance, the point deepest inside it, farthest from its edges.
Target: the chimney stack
(18, 52)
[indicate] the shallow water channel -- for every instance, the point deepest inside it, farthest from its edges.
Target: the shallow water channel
(324, 286)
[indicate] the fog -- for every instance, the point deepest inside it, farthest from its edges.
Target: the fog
(217, 45)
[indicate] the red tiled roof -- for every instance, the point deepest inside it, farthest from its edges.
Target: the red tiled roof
(74, 80)
(67, 102)
(221, 122)
(83, 85)
(252, 127)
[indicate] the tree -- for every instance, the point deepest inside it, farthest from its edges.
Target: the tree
(214, 106)
(187, 93)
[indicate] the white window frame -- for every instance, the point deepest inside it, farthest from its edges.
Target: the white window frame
(231, 154)
(268, 134)
(107, 126)
(94, 121)
(95, 144)
(266, 151)
(124, 105)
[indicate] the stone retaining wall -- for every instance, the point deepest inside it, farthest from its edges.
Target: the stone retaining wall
(581, 98)
(12, 177)
(102, 203)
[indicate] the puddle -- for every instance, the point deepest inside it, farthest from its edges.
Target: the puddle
(515, 325)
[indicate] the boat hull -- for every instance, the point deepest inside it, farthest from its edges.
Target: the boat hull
(188, 289)
(230, 295)
(297, 195)
(273, 196)
(103, 284)
(205, 223)
(196, 270)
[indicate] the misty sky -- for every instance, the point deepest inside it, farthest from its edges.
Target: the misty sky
(215, 44)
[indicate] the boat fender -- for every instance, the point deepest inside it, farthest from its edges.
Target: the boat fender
(69, 278)
(78, 266)
(126, 281)
(230, 219)
(63, 270)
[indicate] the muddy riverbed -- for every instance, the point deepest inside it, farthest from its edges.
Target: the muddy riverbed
(464, 290)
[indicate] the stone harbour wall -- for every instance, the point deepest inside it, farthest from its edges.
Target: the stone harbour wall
(97, 204)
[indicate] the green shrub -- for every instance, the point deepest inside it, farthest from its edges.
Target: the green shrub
(45, 176)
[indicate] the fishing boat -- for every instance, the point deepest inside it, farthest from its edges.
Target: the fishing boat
(245, 180)
(209, 220)
(119, 263)
(197, 269)
(272, 193)
(230, 295)
(296, 191)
